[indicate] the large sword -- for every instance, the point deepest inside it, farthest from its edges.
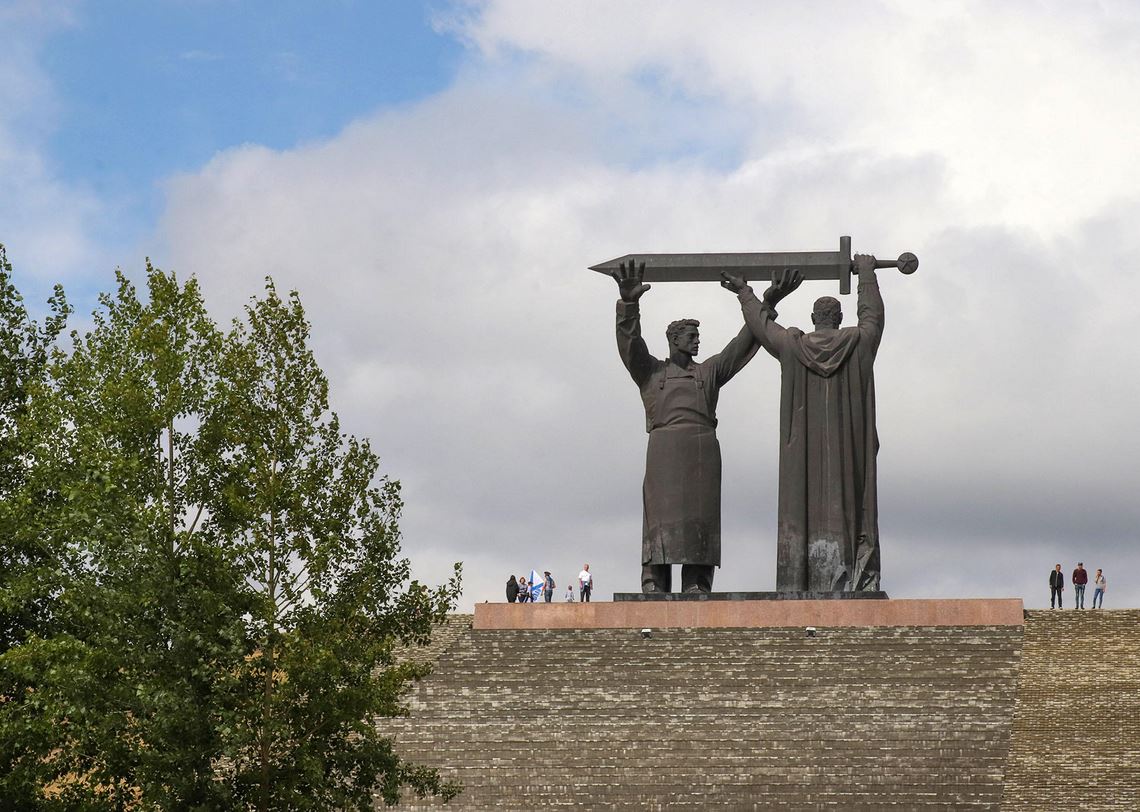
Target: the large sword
(708, 267)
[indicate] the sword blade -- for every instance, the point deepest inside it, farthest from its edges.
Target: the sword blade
(754, 266)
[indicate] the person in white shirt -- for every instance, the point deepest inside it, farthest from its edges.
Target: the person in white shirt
(585, 584)
(1100, 584)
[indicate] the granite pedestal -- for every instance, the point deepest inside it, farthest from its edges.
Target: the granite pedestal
(620, 597)
(695, 614)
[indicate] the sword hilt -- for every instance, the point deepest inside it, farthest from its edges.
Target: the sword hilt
(906, 263)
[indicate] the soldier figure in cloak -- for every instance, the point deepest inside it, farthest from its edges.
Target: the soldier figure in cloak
(828, 524)
(681, 492)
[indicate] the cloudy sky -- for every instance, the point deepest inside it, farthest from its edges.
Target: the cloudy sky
(434, 179)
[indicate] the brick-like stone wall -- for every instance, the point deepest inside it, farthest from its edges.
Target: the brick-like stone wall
(1076, 730)
(443, 637)
(854, 718)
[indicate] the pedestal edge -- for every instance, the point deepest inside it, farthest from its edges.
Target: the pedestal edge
(621, 597)
(635, 614)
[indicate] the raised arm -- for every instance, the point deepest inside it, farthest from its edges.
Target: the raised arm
(760, 315)
(870, 301)
(733, 358)
(631, 346)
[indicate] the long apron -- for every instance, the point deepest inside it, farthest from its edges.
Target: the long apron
(682, 474)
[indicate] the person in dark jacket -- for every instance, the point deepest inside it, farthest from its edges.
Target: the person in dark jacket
(1056, 586)
(512, 589)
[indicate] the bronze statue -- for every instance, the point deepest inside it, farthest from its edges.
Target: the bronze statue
(827, 525)
(681, 491)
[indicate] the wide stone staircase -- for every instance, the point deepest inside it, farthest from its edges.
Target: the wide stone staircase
(1076, 731)
(852, 718)
(443, 637)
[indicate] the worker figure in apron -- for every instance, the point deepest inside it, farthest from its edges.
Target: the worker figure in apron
(681, 493)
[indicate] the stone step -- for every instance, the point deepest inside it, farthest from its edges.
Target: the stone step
(1076, 730)
(740, 718)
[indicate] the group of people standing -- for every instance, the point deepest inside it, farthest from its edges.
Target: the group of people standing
(523, 589)
(1080, 581)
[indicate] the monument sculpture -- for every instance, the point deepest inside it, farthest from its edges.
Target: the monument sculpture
(681, 490)
(827, 524)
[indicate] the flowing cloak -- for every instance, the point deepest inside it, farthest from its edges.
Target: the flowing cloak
(681, 492)
(828, 524)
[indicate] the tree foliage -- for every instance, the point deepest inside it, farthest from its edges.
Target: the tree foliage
(25, 349)
(206, 583)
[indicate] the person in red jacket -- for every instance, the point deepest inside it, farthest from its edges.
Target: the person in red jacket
(1080, 578)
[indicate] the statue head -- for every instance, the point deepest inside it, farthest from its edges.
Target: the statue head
(827, 312)
(683, 335)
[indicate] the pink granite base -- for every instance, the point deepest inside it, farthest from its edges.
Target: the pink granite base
(751, 614)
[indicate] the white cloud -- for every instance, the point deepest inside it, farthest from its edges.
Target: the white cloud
(1030, 106)
(441, 251)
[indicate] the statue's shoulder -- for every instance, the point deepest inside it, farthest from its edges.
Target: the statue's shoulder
(656, 367)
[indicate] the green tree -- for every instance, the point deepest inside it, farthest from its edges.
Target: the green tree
(124, 689)
(29, 567)
(317, 539)
(25, 348)
(228, 581)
